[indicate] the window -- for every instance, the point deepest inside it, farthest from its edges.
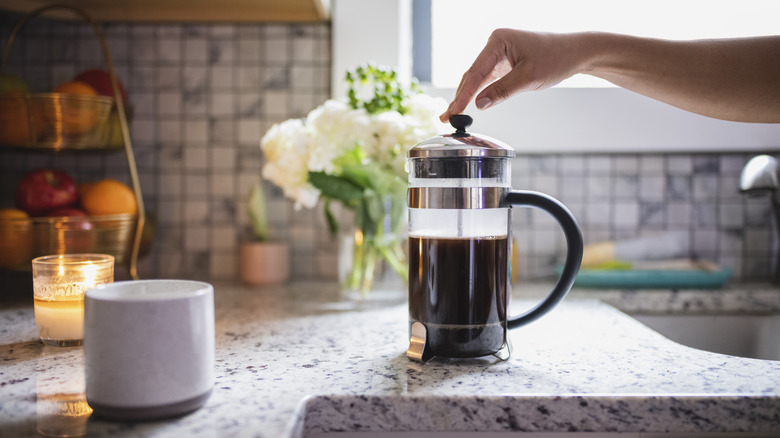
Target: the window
(559, 119)
(457, 37)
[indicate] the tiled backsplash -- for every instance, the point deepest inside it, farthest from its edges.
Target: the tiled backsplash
(694, 196)
(203, 95)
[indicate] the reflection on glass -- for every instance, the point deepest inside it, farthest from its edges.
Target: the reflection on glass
(63, 415)
(62, 403)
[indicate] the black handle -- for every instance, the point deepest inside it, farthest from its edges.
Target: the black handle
(571, 229)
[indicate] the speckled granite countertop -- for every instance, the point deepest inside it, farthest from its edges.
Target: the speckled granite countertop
(298, 360)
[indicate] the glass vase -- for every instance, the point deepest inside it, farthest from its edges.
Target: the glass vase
(373, 258)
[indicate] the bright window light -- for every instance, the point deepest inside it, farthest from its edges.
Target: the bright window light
(460, 28)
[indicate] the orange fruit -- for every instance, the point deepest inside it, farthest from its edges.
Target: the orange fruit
(109, 196)
(14, 119)
(75, 87)
(70, 115)
(16, 242)
(13, 213)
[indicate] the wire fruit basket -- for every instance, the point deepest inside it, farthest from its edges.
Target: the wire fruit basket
(22, 239)
(60, 122)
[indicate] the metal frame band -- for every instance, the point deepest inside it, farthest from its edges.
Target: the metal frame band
(456, 197)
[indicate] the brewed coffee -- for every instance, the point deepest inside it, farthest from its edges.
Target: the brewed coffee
(458, 289)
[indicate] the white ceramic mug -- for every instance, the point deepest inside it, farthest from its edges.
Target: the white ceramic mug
(149, 348)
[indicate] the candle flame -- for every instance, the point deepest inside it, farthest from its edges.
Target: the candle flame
(90, 273)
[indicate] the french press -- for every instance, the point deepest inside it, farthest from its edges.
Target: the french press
(460, 204)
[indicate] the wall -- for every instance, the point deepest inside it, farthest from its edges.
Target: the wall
(203, 95)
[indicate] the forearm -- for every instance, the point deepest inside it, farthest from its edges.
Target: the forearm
(737, 79)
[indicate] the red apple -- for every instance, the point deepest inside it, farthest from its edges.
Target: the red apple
(43, 190)
(100, 80)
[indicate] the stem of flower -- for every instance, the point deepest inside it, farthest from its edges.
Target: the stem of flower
(358, 262)
(394, 256)
(368, 273)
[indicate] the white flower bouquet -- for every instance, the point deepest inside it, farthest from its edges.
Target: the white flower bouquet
(353, 151)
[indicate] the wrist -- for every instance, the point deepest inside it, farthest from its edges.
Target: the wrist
(594, 52)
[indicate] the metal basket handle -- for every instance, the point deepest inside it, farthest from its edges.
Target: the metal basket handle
(120, 108)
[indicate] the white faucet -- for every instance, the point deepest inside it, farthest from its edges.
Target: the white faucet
(759, 177)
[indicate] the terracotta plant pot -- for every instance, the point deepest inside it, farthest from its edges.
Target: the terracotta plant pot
(264, 263)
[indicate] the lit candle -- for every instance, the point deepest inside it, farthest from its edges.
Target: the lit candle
(59, 283)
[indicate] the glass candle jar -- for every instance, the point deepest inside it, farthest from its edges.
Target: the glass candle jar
(59, 283)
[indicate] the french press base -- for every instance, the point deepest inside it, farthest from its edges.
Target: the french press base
(417, 345)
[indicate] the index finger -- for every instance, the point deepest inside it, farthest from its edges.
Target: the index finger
(475, 78)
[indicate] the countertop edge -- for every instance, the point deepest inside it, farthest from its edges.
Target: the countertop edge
(635, 413)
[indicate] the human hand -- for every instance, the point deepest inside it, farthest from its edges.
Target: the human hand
(513, 61)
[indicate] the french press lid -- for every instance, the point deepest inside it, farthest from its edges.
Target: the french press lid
(461, 143)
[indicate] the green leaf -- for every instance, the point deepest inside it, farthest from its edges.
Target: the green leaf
(374, 176)
(335, 187)
(353, 157)
(375, 209)
(397, 211)
(359, 175)
(333, 225)
(257, 213)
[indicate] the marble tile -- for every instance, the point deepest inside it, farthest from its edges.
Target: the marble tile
(730, 215)
(196, 212)
(706, 164)
(705, 215)
(652, 188)
(276, 51)
(651, 164)
(598, 214)
(221, 52)
(598, 187)
(222, 78)
(599, 164)
(679, 213)
(626, 165)
(168, 77)
(248, 50)
(627, 215)
(225, 211)
(572, 188)
(221, 104)
(705, 187)
(196, 132)
(679, 165)
(169, 50)
(625, 187)
(195, 186)
(169, 103)
(144, 50)
(732, 164)
(652, 213)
